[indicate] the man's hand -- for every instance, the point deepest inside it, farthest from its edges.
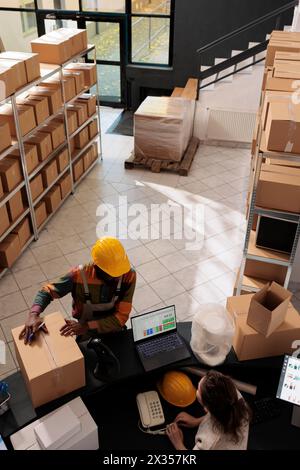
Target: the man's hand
(32, 326)
(175, 435)
(72, 328)
(186, 420)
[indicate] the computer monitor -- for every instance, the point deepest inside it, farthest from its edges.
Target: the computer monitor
(289, 385)
(153, 323)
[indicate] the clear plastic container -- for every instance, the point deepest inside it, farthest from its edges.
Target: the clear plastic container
(212, 334)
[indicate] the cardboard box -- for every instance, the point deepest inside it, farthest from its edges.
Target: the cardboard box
(23, 231)
(36, 186)
(279, 191)
(18, 70)
(94, 151)
(51, 49)
(276, 45)
(89, 70)
(53, 199)
(5, 137)
(65, 184)
(81, 139)
(272, 97)
(91, 102)
(93, 129)
(40, 107)
(78, 38)
(31, 62)
(56, 130)
(49, 173)
(286, 69)
(291, 56)
(279, 84)
(9, 250)
(268, 308)
(10, 173)
(162, 128)
(85, 439)
(31, 156)
(15, 206)
(72, 145)
(53, 365)
(81, 111)
(283, 127)
(72, 120)
(8, 82)
(248, 344)
(1, 189)
(78, 169)
(87, 159)
(265, 271)
(40, 213)
(78, 79)
(53, 95)
(69, 85)
(4, 220)
(285, 35)
(43, 143)
(62, 160)
(26, 118)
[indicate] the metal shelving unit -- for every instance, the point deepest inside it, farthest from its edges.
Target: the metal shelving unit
(47, 71)
(250, 251)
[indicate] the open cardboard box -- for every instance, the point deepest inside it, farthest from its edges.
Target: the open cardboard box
(268, 308)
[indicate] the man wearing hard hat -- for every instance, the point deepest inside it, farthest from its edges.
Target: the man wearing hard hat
(102, 293)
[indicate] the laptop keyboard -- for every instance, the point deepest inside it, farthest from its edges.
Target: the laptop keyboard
(160, 344)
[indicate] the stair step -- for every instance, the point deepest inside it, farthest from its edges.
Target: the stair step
(287, 28)
(249, 69)
(208, 80)
(224, 72)
(268, 36)
(261, 55)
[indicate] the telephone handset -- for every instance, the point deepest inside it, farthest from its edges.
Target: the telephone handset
(150, 409)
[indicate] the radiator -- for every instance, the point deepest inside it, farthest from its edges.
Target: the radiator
(234, 126)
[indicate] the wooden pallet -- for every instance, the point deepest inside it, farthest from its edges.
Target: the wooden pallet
(156, 165)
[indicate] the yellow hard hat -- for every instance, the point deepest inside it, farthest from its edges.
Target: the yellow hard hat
(177, 388)
(109, 255)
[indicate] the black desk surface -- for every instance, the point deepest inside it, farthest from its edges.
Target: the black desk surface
(114, 408)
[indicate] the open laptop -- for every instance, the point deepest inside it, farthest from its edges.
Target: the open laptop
(156, 339)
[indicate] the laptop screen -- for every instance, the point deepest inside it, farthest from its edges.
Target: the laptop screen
(153, 323)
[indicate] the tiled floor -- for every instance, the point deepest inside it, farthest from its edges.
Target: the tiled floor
(167, 272)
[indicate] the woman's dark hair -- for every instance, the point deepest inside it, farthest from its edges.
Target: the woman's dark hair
(230, 413)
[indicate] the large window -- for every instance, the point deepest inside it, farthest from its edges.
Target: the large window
(151, 31)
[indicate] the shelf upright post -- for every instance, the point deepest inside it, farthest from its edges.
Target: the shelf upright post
(65, 112)
(98, 103)
(24, 166)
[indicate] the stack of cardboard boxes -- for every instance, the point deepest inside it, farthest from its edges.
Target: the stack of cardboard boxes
(266, 323)
(42, 125)
(279, 121)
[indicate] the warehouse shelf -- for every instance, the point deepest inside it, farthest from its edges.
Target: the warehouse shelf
(251, 251)
(42, 226)
(43, 194)
(44, 123)
(14, 224)
(3, 271)
(47, 160)
(9, 149)
(89, 49)
(85, 90)
(8, 196)
(86, 172)
(47, 71)
(275, 214)
(86, 123)
(78, 154)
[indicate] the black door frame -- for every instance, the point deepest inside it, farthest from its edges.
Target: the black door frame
(81, 18)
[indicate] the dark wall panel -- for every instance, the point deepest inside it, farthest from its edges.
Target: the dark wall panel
(197, 23)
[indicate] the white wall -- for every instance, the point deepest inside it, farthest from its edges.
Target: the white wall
(11, 32)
